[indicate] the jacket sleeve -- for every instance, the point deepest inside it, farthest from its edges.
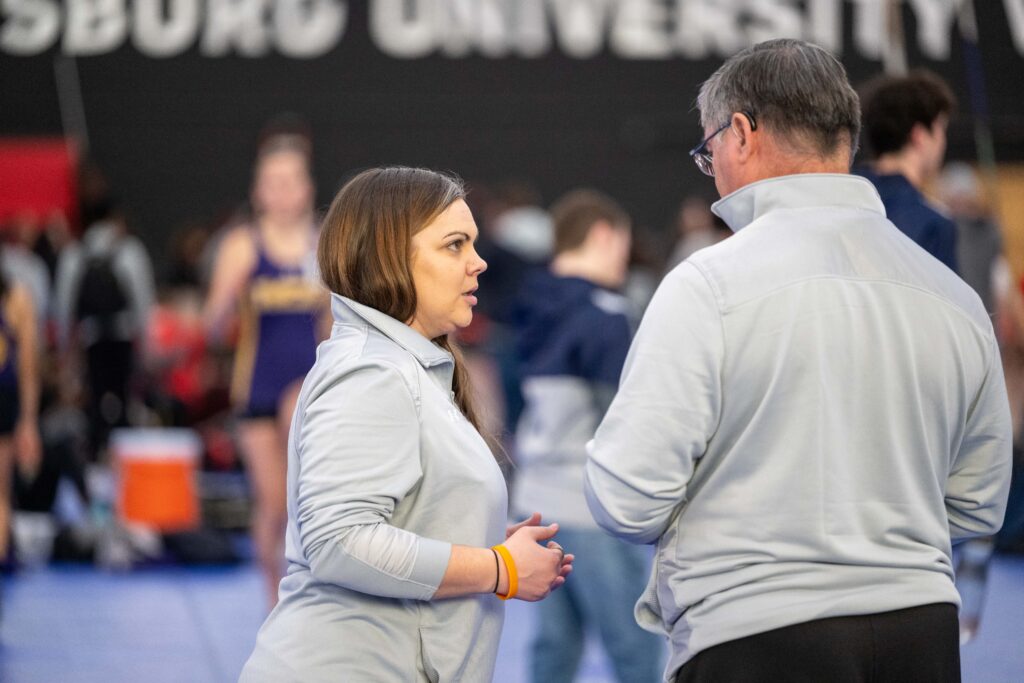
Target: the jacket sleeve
(668, 404)
(358, 457)
(979, 479)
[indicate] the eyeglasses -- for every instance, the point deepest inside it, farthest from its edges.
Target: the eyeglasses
(702, 155)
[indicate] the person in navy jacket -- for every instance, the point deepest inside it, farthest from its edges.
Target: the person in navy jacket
(905, 120)
(573, 331)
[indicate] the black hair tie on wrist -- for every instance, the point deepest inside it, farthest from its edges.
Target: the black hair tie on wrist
(497, 571)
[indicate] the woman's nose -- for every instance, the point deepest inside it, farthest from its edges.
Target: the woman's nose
(478, 265)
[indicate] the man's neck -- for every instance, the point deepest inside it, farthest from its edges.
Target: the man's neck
(778, 161)
(577, 264)
(902, 164)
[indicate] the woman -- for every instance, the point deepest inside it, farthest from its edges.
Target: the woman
(393, 496)
(268, 267)
(19, 395)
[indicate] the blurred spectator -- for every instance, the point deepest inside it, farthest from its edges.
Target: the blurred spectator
(646, 266)
(266, 271)
(177, 360)
(514, 233)
(905, 120)
(187, 249)
(979, 242)
(53, 235)
(523, 227)
(94, 194)
(19, 264)
(104, 295)
(505, 267)
(696, 229)
(19, 394)
(573, 332)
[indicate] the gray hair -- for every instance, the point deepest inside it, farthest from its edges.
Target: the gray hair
(795, 89)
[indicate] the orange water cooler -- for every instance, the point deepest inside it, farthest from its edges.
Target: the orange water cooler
(156, 477)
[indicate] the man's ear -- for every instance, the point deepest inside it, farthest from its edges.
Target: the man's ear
(919, 133)
(745, 136)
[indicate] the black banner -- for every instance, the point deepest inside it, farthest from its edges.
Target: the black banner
(566, 92)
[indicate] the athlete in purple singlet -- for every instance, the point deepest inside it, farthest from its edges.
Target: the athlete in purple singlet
(266, 272)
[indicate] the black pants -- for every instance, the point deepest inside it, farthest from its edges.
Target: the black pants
(915, 645)
(109, 369)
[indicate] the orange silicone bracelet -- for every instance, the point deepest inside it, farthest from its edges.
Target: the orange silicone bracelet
(510, 567)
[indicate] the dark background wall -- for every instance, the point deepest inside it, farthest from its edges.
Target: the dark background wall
(176, 135)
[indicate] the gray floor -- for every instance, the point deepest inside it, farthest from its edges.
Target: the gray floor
(79, 625)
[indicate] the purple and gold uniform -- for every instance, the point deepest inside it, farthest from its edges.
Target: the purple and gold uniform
(277, 340)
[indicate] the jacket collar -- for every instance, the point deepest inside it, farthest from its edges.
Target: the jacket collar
(426, 352)
(801, 191)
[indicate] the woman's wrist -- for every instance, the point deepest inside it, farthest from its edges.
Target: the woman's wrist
(471, 571)
(507, 574)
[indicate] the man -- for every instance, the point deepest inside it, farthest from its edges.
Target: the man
(905, 121)
(979, 240)
(810, 412)
(104, 296)
(572, 334)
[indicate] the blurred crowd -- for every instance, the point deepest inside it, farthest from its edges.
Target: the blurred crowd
(123, 342)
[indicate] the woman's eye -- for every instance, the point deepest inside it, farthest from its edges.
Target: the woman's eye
(456, 245)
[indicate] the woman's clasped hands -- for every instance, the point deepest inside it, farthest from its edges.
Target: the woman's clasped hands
(539, 568)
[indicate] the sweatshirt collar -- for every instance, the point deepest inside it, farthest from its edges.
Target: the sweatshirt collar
(800, 191)
(426, 352)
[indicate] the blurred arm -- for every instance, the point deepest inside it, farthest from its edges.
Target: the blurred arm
(28, 447)
(26, 329)
(236, 259)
